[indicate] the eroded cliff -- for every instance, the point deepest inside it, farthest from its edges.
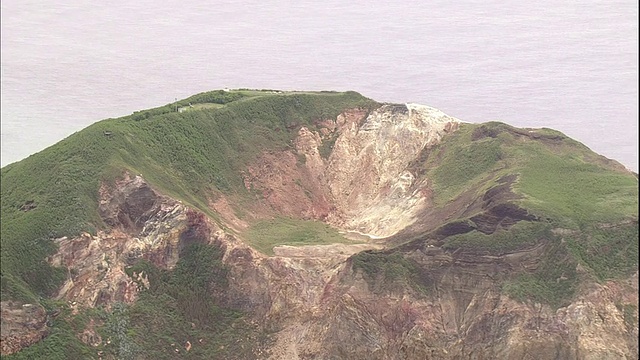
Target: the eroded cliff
(316, 304)
(406, 287)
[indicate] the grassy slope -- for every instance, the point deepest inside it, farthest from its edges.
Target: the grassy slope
(188, 156)
(561, 181)
(266, 234)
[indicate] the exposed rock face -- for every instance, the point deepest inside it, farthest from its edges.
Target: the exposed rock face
(318, 307)
(22, 325)
(129, 206)
(323, 310)
(365, 184)
(312, 300)
(367, 171)
(145, 225)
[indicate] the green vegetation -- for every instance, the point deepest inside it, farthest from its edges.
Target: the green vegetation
(559, 178)
(189, 156)
(629, 312)
(554, 282)
(609, 252)
(62, 342)
(197, 154)
(202, 106)
(326, 147)
(266, 234)
(603, 252)
(178, 307)
(464, 162)
(119, 335)
(560, 181)
(218, 97)
(572, 192)
(523, 234)
(385, 272)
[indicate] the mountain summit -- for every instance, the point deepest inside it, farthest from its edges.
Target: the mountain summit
(261, 224)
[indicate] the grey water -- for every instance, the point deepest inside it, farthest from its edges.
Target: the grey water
(569, 65)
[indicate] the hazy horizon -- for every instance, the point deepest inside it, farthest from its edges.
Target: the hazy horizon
(571, 66)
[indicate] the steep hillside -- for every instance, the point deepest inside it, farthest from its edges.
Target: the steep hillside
(262, 224)
(192, 156)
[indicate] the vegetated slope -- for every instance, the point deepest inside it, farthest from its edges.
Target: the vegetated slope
(527, 213)
(192, 155)
(189, 156)
(478, 215)
(498, 190)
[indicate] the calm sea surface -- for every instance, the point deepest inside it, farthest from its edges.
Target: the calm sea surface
(569, 65)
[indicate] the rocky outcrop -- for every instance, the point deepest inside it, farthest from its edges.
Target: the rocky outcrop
(365, 184)
(317, 305)
(465, 316)
(314, 301)
(130, 206)
(22, 325)
(368, 176)
(322, 309)
(145, 225)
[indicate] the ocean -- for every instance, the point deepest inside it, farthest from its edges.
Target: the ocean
(567, 65)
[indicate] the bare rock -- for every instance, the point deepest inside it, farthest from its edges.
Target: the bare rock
(22, 325)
